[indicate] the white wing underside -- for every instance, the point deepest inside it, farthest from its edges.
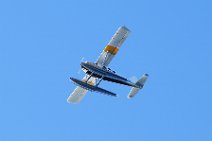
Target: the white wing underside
(117, 40)
(104, 59)
(77, 95)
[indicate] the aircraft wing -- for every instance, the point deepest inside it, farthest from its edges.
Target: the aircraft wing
(113, 46)
(77, 95)
(104, 59)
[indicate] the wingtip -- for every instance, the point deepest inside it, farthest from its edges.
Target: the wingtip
(125, 28)
(146, 74)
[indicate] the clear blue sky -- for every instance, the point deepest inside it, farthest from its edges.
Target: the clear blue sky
(43, 41)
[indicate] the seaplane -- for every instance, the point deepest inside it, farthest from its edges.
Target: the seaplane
(97, 71)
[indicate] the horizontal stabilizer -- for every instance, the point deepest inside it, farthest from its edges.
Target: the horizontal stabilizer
(140, 83)
(89, 87)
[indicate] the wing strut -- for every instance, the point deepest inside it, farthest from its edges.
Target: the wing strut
(100, 80)
(89, 77)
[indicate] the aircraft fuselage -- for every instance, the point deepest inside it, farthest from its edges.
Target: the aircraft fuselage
(105, 73)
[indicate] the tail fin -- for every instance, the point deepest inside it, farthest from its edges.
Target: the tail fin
(140, 83)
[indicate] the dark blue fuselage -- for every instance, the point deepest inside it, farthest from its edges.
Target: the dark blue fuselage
(105, 74)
